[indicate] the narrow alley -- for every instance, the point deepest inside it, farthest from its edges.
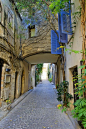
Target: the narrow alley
(42, 52)
(37, 111)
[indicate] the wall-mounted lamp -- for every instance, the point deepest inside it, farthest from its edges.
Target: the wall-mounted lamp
(7, 70)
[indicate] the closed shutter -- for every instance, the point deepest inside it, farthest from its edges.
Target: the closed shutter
(66, 22)
(63, 38)
(55, 43)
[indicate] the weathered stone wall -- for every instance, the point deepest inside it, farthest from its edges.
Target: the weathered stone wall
(41, 42)
(10, 54)
(35, 48)
(37, 45)
(8, 32)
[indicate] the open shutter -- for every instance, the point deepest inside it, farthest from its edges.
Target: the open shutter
(55, 43)
(63, 38)
(66, 22)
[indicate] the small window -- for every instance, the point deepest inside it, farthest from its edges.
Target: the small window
(31, 31)
(0, 12)
(7, 78)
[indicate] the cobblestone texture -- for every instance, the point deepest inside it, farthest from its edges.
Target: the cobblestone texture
(37, 111)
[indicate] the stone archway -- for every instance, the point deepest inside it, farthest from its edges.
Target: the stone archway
(22, 82)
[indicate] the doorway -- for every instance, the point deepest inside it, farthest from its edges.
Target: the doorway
(22, 82)
(75, 81)
(16, 83)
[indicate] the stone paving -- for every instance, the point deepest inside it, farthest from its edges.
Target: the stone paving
(37, 111)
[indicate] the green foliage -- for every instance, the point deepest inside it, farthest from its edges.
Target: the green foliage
(56, 5)
(37, 78)
(64, 109)
(8, 101)
(79, 111)
(57, 86)
(50, 79)
(48, 7)
(63, 90)
(38, 72)
(39, 67)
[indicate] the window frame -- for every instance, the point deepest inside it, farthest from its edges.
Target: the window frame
(29, 30)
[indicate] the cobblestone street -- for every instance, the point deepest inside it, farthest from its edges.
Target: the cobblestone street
(37, 111)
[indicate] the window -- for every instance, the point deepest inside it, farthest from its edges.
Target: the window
(31, 31)
(10, 19)
(7, 78)
(0, 12)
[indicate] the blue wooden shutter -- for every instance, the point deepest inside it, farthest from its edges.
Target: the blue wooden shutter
(63, 38)
(66, 22)
(55, 43)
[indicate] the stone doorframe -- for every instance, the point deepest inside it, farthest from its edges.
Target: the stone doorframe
(5, 58)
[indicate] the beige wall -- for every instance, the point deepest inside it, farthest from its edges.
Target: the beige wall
(73, 60)
(33, 76)
(59, 72)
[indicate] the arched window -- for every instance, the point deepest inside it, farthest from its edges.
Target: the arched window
(0, 12)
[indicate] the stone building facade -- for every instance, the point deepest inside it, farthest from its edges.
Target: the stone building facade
(14, 71)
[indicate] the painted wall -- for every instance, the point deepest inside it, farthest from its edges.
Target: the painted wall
(73, 60)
